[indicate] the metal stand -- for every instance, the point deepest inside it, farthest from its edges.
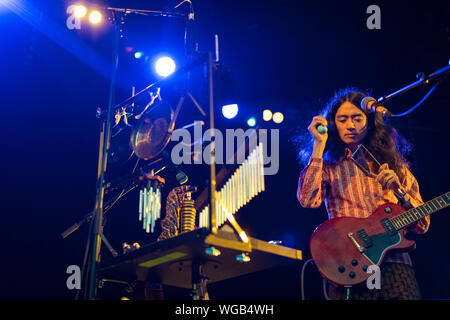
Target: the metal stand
(212, 188)
(422, 80)
(199, 280)
(92, 256)
(95, 236)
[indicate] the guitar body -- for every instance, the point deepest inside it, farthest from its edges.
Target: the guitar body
(343, 248)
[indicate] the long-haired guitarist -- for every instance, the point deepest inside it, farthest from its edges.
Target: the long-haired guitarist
(332, 177)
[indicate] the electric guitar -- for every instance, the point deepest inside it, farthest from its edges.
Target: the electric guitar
(343, 248)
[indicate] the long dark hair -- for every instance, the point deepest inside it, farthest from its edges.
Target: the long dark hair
(382, 140)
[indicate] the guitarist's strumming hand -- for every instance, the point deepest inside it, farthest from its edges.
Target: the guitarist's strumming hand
(388, 178)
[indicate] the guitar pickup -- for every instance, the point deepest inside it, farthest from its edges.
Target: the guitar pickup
(364, 237)
(389, 227)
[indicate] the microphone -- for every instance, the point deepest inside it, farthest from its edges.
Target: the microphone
(371, 105)
(181, 177)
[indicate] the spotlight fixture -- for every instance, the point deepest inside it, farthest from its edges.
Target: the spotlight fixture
(278, 117)
(165, 66)
(230, 111)
(95, 17)
(267, 115)
(79, 11)
(138, 54)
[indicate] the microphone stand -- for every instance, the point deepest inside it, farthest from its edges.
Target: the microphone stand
(422, 80)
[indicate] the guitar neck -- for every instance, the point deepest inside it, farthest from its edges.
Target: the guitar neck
(413, 215)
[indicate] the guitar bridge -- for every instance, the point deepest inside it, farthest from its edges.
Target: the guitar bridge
(352, 237)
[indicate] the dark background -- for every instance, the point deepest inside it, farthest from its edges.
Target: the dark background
(288, 56)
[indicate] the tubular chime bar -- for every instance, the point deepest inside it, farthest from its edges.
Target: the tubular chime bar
(150, 204)
(245, 183)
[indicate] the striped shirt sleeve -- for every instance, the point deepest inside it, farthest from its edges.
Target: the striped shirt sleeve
(412, 189)
(312, 184)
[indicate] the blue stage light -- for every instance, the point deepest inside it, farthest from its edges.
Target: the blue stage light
(251, 122)
(138, 54)
(230, 111)
(165, 66)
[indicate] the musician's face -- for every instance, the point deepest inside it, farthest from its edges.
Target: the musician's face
(351, 124)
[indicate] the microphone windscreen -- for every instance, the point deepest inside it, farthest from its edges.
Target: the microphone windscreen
(368, 104)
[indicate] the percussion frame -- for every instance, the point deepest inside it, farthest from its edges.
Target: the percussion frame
(95, 234)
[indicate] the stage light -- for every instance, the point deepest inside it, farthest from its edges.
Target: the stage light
(278, 117)
(230, 111)
(251, 122)
(267, 115)
(95, 17)
(138, 54)
(79, 11)
(165, 66)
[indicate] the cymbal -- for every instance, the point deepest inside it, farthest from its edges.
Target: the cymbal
(152, 133)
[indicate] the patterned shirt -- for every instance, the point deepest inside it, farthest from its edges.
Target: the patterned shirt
(348, 192)
(170, 225)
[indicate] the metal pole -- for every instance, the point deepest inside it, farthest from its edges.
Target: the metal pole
(423, 80)
(212, 212)
(103, 157)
